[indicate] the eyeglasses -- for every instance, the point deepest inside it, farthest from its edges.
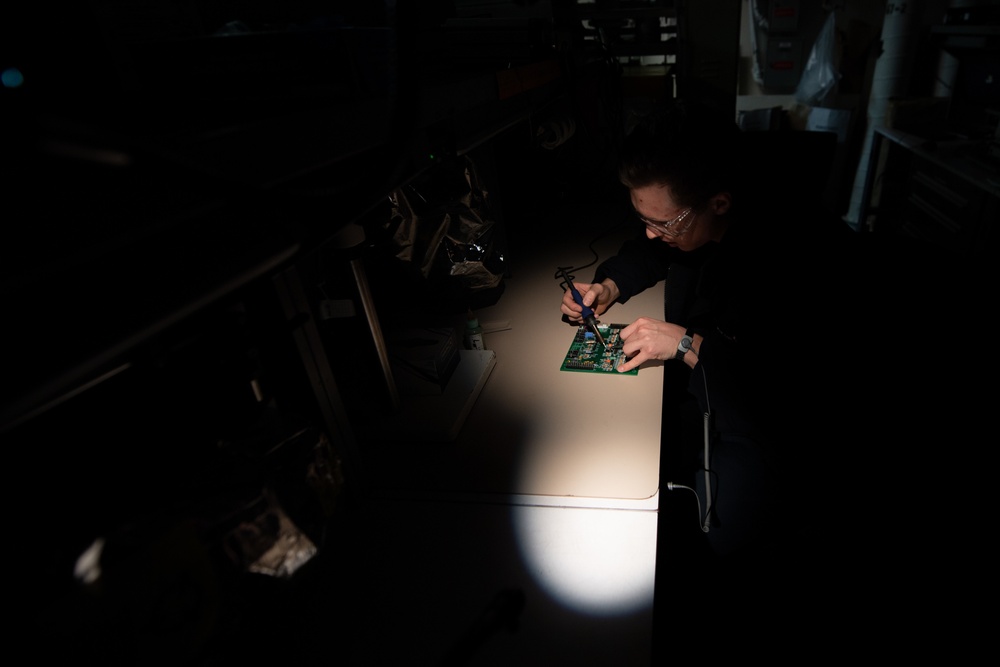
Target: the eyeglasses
(669, 228)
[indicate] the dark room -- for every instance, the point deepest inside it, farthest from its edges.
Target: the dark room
(498, 333)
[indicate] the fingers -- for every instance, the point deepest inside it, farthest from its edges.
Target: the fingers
(588, 294)
(628, 331)
(571, 308)
(640, 324)
(633, 354)
(629, 364)
(596, 296)
(648, 339)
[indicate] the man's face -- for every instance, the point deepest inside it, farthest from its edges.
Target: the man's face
(675, 225)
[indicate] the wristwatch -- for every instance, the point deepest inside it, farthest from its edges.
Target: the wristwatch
(684, 345)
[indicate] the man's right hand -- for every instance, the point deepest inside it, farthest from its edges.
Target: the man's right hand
(598, 296)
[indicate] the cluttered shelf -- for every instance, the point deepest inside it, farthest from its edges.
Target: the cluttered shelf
(945, 193)
(164, 199)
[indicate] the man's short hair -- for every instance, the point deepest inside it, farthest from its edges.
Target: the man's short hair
(691, 148)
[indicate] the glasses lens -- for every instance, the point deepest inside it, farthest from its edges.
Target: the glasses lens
(671, 228)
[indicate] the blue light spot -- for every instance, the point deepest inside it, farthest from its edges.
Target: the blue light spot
(11, 77)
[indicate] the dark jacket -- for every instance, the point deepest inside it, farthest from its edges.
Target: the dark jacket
(760, 299)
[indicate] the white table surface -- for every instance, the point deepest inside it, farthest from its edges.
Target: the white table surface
(550, 486)
(536, 434)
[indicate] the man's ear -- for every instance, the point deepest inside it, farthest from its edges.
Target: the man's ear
(721, 202)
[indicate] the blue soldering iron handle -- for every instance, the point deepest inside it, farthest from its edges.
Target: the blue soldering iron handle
(587, 311)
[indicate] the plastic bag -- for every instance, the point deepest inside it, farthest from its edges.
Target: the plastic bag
(820, 75)
(445, 227)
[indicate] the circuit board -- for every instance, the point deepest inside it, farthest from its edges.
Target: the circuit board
(587, 355)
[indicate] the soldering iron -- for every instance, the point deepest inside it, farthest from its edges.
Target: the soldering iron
(588, 312)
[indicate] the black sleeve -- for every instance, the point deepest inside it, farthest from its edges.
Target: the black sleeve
(774, 343)
(639, 264)
(752, 299)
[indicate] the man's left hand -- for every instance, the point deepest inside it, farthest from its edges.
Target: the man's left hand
(647, 339)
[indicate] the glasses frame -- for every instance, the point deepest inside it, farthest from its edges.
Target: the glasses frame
(668, 228)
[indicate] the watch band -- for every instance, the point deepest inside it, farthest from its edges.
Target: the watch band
(684, 345)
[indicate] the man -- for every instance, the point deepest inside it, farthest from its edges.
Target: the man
(839, 375)
(746, 274)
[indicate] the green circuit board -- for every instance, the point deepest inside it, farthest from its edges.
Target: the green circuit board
(587, 355)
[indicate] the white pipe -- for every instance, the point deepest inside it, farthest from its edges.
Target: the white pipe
(754, 18)
(947, 72)
(890, 79)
